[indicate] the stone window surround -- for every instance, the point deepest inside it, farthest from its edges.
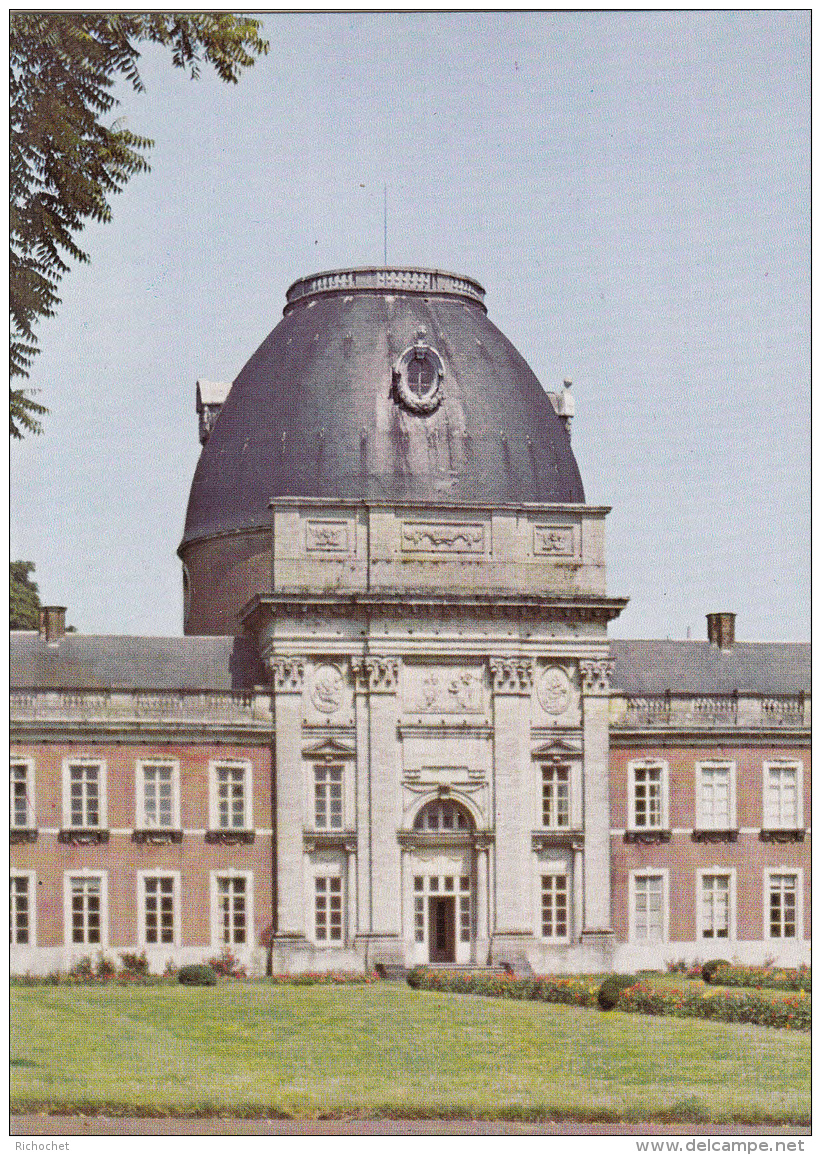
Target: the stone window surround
(648, 872)
(715, 764)
(141, 766)
(798, 873)
(732, 930)
(246, 766)
(664, 818)
(102, 788)
(555, 870)
(85, 872)
(176, 877)
(31, 877)
(217, 941)
(329, 870)
(31, 800)
(787, 764)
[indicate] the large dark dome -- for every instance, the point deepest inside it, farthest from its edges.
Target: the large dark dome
(318, 412)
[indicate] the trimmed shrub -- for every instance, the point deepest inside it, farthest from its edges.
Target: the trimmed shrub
(611, 988)
(325, 979)
(572, 990)
(227, 965)
(133, 964)
(767, 978)
(415, 977)
(792, 1012)
(197, 975)
(708, 971)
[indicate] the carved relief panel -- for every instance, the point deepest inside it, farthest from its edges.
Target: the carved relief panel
(439, 537)
(443, 689)
(560, 541)
(329, 696)
(556, 697)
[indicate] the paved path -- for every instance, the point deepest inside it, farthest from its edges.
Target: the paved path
(102, 1125)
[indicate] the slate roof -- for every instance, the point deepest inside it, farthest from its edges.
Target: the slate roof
(117, 661)
(314, 413)
(225, 663)
(654, 666)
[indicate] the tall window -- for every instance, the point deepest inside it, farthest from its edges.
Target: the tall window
(21, 790)
(783, 905)
(232, 796)
(555, 797)
(232, 912)
(554, 906)
(648, 907)
(86, 894)
(715, 906)
(328, 909)
(648, 808)
(159, 802)
(159, 909)
(85, 790)
(781, 797)
(328, 797)
(20, 913)
(715, 809)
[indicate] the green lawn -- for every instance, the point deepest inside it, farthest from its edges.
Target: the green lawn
(386, 1050)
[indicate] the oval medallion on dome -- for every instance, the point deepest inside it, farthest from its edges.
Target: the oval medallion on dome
(418, 376)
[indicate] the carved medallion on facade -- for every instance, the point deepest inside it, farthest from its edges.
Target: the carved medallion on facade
(554, 540)
(328, 689)
(446, 692)
(435, 537)
(554, 690)
(327, 536)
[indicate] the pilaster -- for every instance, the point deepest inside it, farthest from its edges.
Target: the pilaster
(595, 676)
(287, 675)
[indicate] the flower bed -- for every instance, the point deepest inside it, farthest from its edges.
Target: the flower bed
(573, 990)
(792, 1013)
(766, 978)
(325, 978)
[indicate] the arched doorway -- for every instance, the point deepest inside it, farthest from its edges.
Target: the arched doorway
(441, 881)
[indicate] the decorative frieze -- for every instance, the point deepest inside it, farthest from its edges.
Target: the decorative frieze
(288, 674)
(547, 839)
(446, 690)
(596, 675)
(511, 675)
(437, 537)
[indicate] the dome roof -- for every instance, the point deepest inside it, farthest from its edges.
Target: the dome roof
(381, 384)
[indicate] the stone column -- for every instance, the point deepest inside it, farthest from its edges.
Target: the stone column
(513, 932)
(288, 673)
(363, 796)
(482, 932)
(597, 933)
(350, 888)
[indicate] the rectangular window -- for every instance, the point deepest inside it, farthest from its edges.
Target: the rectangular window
(232, 902)
(781, 797)
(230, 797)
(19, 911)
(715, 906)
(647, 798)
(84, 795)
(328, 909)
(159, 802)
(554, 906)
(715, 797)
(159, 909)
(783, 905)
(86, 910)
(648, 907)
(328, 797)
(21, 795)
(555, 797)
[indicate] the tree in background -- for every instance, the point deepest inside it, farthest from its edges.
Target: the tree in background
(65, 162)
(24, 596)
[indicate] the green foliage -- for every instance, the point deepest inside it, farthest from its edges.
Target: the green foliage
(708, 971)
(611, 988)
(573, 990)
(325, 979)
(227, 965)
(133, 963)
(65, 162)
(792, 1012)
(197, 975)
(767, 978)
(24, 597)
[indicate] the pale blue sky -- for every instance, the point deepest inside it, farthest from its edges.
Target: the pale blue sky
(632, 189)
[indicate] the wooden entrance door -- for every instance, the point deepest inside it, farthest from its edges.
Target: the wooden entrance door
(442, 928)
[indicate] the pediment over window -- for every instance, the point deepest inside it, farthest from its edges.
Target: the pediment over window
(329, 748)
(557, 747)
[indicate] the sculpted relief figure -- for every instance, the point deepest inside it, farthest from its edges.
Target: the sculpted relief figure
(554, 691)
(459, 692)
(328, 689)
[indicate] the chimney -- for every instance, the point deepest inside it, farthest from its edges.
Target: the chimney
(721, 630)
(52, 623)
